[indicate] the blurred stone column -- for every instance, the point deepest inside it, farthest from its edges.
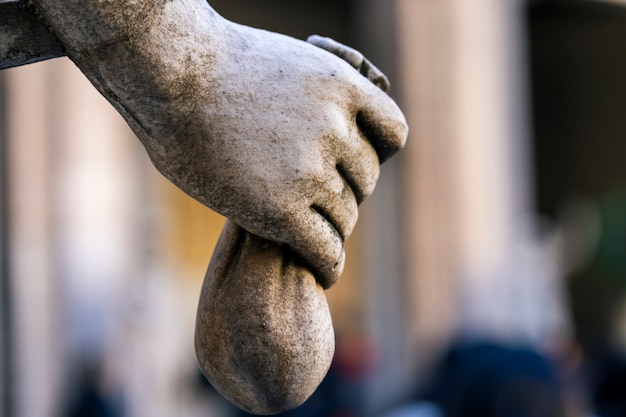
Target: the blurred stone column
(427, 60)
(489, 163)
(462, 77)
(101, 237)
(75, 181)
(35, 344)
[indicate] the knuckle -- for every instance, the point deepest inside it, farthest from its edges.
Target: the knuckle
(386, 134)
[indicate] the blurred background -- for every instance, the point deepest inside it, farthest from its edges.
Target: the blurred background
(498, 233)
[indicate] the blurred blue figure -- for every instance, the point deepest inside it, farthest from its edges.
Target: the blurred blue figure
(88, 398)
(485, 379)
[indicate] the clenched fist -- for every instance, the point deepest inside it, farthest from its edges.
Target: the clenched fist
(279, 135)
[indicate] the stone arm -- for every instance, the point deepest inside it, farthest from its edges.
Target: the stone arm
(274, 133)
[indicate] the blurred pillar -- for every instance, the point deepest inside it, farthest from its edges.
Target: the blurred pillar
(466, 166)
(489, 163)
(95, 210)
(75, 182)
(426, 64)
(35, 340)
(102, 239)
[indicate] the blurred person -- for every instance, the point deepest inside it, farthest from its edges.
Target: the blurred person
(598, 298)
(488, 379)
(88, 397)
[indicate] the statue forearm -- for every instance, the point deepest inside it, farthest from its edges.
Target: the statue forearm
(82, 24)
(139, 54)
(44, 29)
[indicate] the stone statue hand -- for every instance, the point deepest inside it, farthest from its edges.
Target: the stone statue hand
(282, 137)
(296, 146)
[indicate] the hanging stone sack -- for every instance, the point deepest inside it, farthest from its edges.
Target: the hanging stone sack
(264, 334)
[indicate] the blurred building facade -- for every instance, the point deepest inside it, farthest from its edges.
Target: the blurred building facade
(102, 259)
